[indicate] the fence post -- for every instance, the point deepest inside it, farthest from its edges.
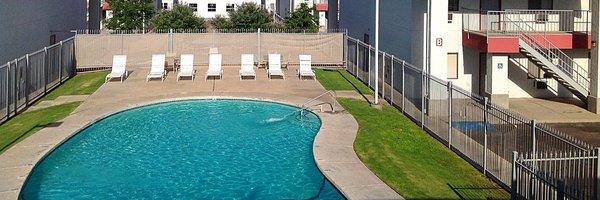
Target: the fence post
(346, 50)
(27, 79)
(258, 47)
(356, 61)
(423, 99)
(513, 182)
(16, 87)
(450, 114)
(392, 82)
(485, 136)
(403, 83)
(382, 76)
(170, 41)
(45, 66)
(60, 64)
(533, 144)
(597, 173)
(7, 90)
(369, 67)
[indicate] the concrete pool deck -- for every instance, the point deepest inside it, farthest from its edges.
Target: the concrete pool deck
(333, 146)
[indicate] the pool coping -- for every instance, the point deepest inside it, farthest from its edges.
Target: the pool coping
(332, 148)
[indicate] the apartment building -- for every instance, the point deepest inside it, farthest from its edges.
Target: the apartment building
(321, 7)
(501, 49)
(27, 26)
(213, 8)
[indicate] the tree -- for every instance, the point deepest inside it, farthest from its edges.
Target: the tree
(302, 19)
(220, 22)
(250, 16)
(181, 17)
(129, 14)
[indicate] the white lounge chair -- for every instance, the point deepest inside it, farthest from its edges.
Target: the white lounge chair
(186, 66)
(247, 68)
(158, 67)
(275, 66)
(214, 66)
(306, 67)
(118, 68)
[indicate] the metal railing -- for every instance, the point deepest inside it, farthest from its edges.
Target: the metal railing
(28, 78)
(542, 45)
(232, 30)
(564, 175)
(481, 132)
(541, 21)
(331, 105)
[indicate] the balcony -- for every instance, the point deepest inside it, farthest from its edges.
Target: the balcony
(495, 31)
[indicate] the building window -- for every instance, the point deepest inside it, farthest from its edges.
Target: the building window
(452, 5)
(230, 7)
(194, 6)
(212, 7)
(541, 4)
(165, 6)
(452, 65)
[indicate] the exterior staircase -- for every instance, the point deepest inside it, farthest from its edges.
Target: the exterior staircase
(554, 62)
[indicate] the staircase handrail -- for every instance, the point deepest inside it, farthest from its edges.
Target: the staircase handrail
(550, 51)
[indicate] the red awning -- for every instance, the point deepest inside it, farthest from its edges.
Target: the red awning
(105, 6)
(322, 7)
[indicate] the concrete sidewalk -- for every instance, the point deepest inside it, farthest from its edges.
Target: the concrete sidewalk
(333, 146)
(557, 110)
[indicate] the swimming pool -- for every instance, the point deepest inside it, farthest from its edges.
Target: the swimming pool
(193, 149)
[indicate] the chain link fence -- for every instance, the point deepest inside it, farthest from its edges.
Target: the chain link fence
(28, 78)
(484, 134)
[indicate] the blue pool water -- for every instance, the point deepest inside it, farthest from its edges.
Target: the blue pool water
(197, 149)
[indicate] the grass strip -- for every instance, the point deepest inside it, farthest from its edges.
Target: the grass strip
(411, 161)
(340, 80)
(27, 123)
(82, 84)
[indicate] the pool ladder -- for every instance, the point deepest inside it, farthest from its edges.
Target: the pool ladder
(305, 105)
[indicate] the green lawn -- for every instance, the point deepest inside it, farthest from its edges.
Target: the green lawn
(27, 123)
(411, 161)
(408, 159)
(84, 83)
(340, 80)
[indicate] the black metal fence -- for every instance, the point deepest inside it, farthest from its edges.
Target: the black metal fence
(26, 79)
(484, 134)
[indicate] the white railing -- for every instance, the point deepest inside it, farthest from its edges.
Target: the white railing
(542, 45)
(539, 20)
